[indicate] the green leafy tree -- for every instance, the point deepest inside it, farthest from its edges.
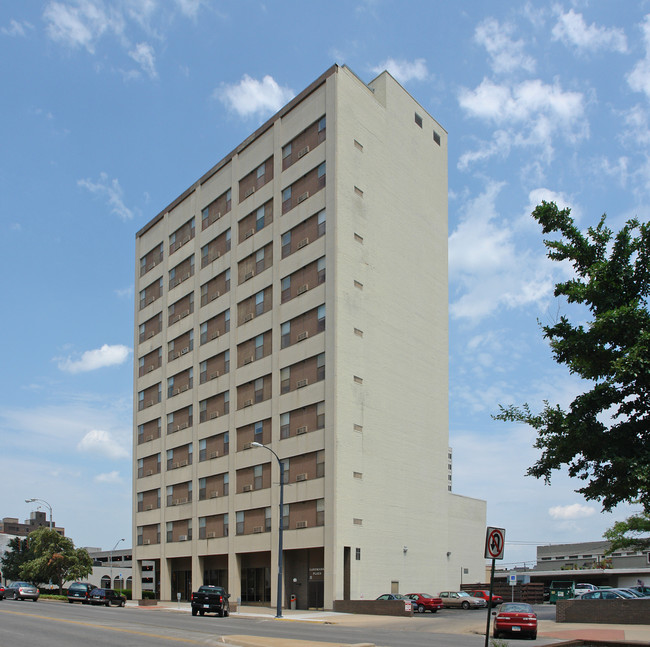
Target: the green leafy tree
(18, 552)
(634, 533)
(55, 559)
(603, 438)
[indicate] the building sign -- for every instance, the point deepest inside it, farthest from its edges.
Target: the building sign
(316, 573)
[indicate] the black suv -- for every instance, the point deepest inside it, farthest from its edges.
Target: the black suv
(107, 597)
(80, 592)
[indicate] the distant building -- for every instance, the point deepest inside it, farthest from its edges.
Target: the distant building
(37, 519)
(586, 562)
(295, 297)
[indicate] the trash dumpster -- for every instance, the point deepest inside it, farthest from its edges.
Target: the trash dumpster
(561, 590)
(292, 601)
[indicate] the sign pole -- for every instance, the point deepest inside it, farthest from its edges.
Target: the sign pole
(489, 611)
(495, 541)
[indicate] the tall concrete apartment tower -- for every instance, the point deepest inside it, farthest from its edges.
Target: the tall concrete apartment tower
(296, 296)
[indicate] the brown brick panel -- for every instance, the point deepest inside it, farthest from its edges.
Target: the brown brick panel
(183, 235)
(303, 143)
(251, 183)
(180, 309)
(246, 434)
(215, 210)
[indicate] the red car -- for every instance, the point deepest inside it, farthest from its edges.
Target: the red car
(515, 618)
(424, 602)
(485, 595)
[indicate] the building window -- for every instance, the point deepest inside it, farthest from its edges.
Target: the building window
(259, 429)
(286, 244)
(285, 380)
(418, 120)
(240, 522)
(321, 222)
(285, 332)
(259, 347)
(320, 367)
(320, 512)
(321, 270)
(320, 415)
(321, 318)
(285, 516)
(436, 137)
(259, 389)
(286, 289)
(257, 477)
(259, 303)
(286, 151)
(267, 519)
(358, 554)
(285, 427)
(259, 219)
(320, 463)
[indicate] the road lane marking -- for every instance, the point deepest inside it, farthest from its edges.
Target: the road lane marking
(98, 626)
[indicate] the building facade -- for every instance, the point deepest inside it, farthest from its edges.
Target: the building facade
(296, 296)
(37, 519)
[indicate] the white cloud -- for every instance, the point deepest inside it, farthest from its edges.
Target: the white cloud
(404, 71)
(143, 54)
(109, 477)
(570, 512)
(252, 97)
(571, 29)
(91, 360)
(101, 443)
(529, 114)
(112, 191)
(482, 255)
(80, 25)
(639, 78)
(190, 8)
(506, 54)
(16, 28)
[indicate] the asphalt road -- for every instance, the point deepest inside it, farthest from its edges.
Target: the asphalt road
(53, 624)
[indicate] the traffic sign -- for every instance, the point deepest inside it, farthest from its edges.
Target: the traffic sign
(495, 540)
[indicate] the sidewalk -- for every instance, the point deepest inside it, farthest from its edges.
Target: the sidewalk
(470, 625)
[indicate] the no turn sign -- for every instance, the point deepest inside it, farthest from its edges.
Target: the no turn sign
(495, 541)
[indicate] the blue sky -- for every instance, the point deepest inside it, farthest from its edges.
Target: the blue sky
(110, 110)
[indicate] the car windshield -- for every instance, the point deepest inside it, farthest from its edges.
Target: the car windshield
(426, 595)
(464, 594)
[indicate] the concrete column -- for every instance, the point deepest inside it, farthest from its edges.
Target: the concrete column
(234, 578)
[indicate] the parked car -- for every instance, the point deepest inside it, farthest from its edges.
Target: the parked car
(485, 594)
(425, 602)
(3, 592)
(80, 592)
(210, 599)
(22, 591)
(642, 589)
(515, 618)
(107, 597)
(606, 594)
(583, 587)
(461, 599)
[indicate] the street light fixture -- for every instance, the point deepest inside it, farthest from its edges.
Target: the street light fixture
(112, 549)
(281, 529)
(47, 504)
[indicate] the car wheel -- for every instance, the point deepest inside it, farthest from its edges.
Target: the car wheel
(465, 605)
(194, 611)
(421, 608)
(220, 613)
(107, 603)
(122, 603)
(201, 612)
(496, 633)
(433, 610)
(533, 636)
(226, 612)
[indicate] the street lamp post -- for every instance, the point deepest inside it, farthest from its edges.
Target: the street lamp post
(112, 549)
(47, 504)
(278, 613)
